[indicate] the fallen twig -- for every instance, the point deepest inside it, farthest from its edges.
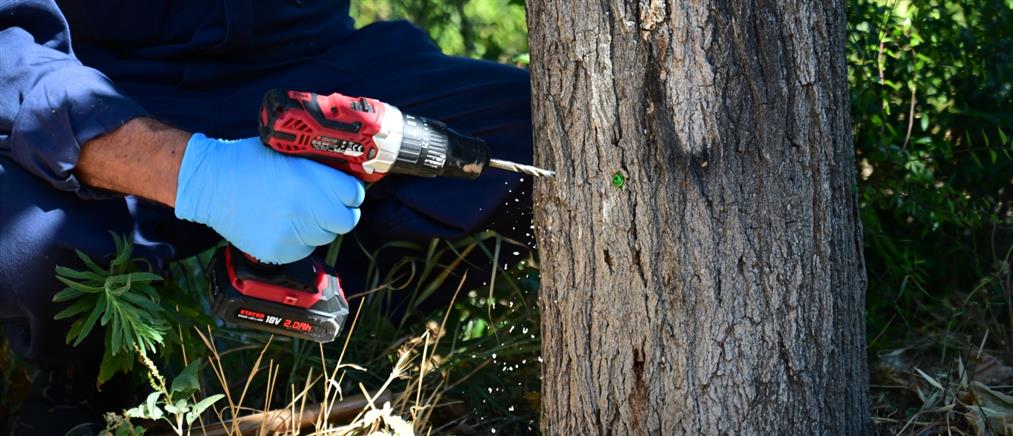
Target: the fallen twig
(279, 420)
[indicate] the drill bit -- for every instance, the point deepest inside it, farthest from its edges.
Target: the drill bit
(519, 168)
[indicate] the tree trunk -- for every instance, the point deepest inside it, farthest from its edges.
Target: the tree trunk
(721, 288)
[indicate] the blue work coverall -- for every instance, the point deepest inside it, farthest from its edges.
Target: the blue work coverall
(73, 70)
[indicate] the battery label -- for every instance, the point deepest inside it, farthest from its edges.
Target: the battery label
(263, 318)
(335, 145)
(251, 315)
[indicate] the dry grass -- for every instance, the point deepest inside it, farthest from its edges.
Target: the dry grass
(416, 369)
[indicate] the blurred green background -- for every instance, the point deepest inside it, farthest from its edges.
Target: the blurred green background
(484, 29)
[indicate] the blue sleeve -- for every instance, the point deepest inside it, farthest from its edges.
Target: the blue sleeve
(51, 104)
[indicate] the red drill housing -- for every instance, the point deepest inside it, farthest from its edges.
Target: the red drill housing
(334, 129)
(367, 138)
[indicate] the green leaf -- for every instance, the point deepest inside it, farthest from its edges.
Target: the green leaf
(90, 322)
(113, 363)
(124, 248)
(126, 329)
(79, 286)
(80, 275)
(75, 328)
(147, 410)
(144, 277)
(112, 282)
(90, 263)
(67, 294)
(974, 157)
(186, 383)
(117, 242)
(79, 307)
(152, 400)
(115, 281)
(155, 413)
(115, 336)
(178, 408)
(142, 302)
(126, 430)
(107, 314)
(135, 412)
(201, 407)
(149, 291)
(189, 312)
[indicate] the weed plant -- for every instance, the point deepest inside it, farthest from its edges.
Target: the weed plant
(469, 366)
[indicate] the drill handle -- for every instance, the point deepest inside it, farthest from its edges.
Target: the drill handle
(336, 130)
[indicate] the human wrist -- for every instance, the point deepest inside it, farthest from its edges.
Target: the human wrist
(142, 158)
(188, 190)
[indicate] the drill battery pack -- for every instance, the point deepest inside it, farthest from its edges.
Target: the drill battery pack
(302, 299)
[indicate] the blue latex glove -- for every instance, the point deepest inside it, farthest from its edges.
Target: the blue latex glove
(274, 207)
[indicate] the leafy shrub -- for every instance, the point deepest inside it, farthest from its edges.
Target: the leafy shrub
(486, 29)
(931, 86)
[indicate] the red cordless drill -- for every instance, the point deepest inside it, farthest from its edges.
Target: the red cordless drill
(363, 137)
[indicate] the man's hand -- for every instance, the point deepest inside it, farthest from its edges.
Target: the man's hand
(274, 207)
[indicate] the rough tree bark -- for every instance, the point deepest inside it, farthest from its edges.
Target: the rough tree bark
(721, 289)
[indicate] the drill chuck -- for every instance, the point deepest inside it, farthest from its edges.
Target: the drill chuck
(430, 149)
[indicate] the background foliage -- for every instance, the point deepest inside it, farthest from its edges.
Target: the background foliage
(931, 92)
(932, 107)
(484, 29)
